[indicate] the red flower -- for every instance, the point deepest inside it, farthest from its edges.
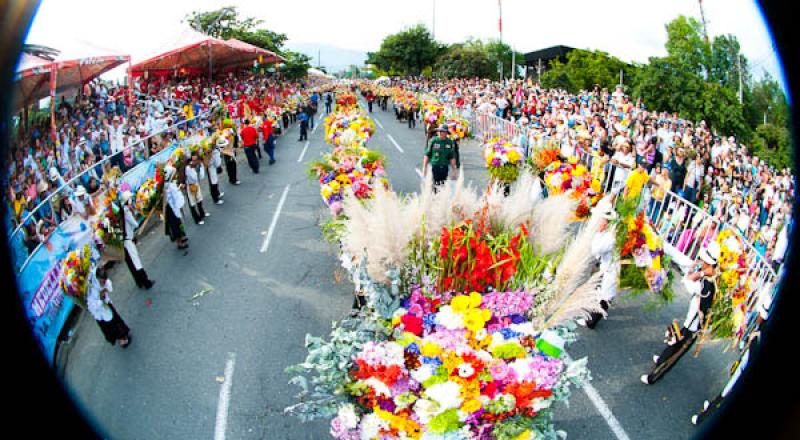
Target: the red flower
(412, 324)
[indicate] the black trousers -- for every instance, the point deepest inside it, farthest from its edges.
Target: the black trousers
(369, 105)
(139, 275)
(327, 108)
(439, 174)
(198, 213)
(173, 225)
(712, 406)
(412, 121)
(230, 166)
(595, 317)
(671, 355)
(252, 160)
(303, 131)
(258, 152)
(214, 191)
(359, 302)
(115, 329)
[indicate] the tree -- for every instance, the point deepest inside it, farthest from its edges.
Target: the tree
(225, 23)
(464, 60)
(773, 144)
(407, 52)
(501, 53)
(584, 69)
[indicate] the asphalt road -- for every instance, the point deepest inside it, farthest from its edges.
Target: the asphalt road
(167, 384)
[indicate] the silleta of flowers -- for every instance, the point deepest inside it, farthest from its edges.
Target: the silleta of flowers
(503, 159)
(564, 176)
(147, 196)
(348, 126)
(465, 324)
(348, 168)
(346, 99)
(457, 127)
(468, 367)
(76, 272)
(728, 310)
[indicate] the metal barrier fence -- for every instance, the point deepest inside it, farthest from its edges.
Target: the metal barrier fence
(684, 228)
(21, 252)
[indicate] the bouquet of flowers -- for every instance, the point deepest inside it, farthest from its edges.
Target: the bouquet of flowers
(727, 312)
(637, 239)
(467, 367)
(432, 112)
(731, 259)
(503, 159)
(346, 99)
(347, 127)
(75, 274)
(147, 196)
(542, 157)
(457, 127)
(561, 177)
(356, 169)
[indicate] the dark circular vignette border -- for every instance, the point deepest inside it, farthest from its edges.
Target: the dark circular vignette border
(766, 401)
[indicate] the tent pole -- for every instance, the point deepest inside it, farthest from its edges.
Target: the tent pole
(53, 74)
(210, 65)
(130, 88)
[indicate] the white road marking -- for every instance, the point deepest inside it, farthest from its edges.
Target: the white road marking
(321, 115)
(379, 123)
(275, 219)
(395, 143)
(224, 399)
(303, 153)
(603, 409)
(419, 173)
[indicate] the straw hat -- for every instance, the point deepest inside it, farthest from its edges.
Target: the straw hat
(41, 187)
(222, 142)
(53, 174)
(80, 191)
(710, 254)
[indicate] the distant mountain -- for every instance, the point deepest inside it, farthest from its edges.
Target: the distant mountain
(333, 58)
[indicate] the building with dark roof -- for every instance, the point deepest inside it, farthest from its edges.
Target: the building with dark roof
(540, 59)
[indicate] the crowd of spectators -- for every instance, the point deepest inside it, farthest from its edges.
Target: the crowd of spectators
(107, 126)
(710, 170)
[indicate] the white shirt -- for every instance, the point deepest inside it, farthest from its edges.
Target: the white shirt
(115, 142)
(130, 222)
(603, 250)
(174, 198)
(192, 175)
(99, 308)
(213, 164)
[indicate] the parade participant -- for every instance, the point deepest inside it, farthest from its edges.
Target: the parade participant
(303, 125)
(603, 247)
(132, 260)
(229, 154)
(269, 145)
(702, 285)
(195, 172)
(173, 203)
(370, 99)
(214, 167)
(81, 203)
(249, 137)
(102, 310)
(439, 154)
(328, 102)
(751, 345)
(412, 112)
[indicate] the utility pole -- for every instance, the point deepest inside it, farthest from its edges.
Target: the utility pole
(620, 78)
(539, 70)
(739, 70)
(703, 18)
(433, 31)
(500, 20)
(513, 63)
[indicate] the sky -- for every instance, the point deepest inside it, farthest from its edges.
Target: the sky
(632, 30)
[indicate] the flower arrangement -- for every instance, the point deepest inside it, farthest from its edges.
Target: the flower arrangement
(348, 168)
(636, 239)
(346, 99)
(348, 126)
(561, 177)
(635, 182)
(542, 157)
(147, 196)
(457, 127)
(503, 159)
(75, 274)
(467, 367)
(727, 312)
(432, 112)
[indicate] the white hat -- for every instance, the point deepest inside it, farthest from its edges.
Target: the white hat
(710, 254)
(80, 191)
(169, 171)
(180, 88)
(42, 186)
(115, 118)
(126, 195)
(53, 174)
(222, 142)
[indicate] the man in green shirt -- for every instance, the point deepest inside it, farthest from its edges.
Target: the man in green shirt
(440, 153)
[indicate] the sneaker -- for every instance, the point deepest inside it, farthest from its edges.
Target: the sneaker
(644, 379)
(201, 222)
(152, 283)
(705, 405)
(272, 162)
(581, 322)
(222, 194)
(208, 215)
(655, 358)
(220, 202)
(238, 182)
(694, 419)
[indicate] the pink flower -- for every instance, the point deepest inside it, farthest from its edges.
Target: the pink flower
(499, 371)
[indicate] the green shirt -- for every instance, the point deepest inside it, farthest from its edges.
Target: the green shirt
(440, 151)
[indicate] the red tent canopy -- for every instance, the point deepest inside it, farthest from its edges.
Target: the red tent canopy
(192, 51)
(34, 76)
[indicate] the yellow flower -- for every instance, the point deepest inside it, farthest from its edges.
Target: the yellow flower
(451, 361)
(475, 319)
(430, 349)
(335, 187)
(470, 406)
(513, 156)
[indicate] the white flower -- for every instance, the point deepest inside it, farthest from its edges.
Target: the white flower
(447, 394)
(449, 319)
(371, 426)
(425, 410)
(465, 370)
(423, 373)
(378, 386)
(484, 356)
(521, 366)
(399, 313)
(347, 414)
(525, 328)
(540, 404)
(481, 334)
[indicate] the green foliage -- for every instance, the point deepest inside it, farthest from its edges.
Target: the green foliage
(407, 52)
(507, 173)
(721, 320)
(773, 143)
(461, 61)
(584, 69)
(500, 53)
(297, 65)
(333, 229)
